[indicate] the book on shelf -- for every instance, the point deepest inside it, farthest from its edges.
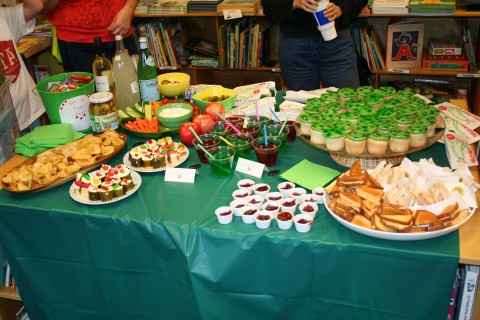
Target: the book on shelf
(468, 47)
(203, 46)
(368, 46)
(404, 43)
(444, 47)
(444, 62)
(468, 291)
(168, 7)
(41, 30)
(29, 46)
(247, 7)
(202, 60)
(453, 299)
(203, 5)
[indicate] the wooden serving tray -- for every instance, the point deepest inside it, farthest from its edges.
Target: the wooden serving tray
(40, 187)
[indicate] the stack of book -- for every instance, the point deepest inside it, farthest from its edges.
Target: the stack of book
(203, 5)
(444, 55)
(204, 53)
(41, 30)
(142, 6)
(247, 7)
(439, 7)
(168, 7)
(368, 45)
(390, 7)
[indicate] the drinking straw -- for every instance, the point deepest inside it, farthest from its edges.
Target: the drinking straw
(265, 134)
(256, 110)
(283, 125)
(226, 141)
(206, 152)
(219, 115)
(232, 126)
(275, 115)
(195, 134)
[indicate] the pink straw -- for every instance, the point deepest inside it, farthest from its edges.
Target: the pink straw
(256, 110)
(232, 126)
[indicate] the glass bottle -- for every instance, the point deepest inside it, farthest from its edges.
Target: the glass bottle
(147, 74)
(102, 69)
(124, 77)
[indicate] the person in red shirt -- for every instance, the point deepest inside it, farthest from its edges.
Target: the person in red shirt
(78, 22)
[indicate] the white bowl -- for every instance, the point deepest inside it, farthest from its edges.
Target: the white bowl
(263, 223)
(261, 186)
(274, 196)
(284, 187)
(290, 209)
(249, 218)
(319, 191)
(241, 194)
(246, 184)
(311, 197)
(237, 205)
(312, 208)
(303, 227)
(297, 193)
(256, 201)
(272, 207)
(224, 214)
(284, 224)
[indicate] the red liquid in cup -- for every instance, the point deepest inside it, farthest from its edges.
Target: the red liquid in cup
(206, 144)
(263, 217)
(267, 157)
(292, 135)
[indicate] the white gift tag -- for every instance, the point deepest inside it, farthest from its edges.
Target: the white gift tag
(250, 167)
(232, 14)
(180, 175)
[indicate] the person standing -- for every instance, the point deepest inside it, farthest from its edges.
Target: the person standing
(306, 59)
(78, 22)
(15, 22)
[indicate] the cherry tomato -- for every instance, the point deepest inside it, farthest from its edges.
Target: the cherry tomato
(165, 101)
(196, 110)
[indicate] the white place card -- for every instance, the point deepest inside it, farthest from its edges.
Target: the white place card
(398, 70)
(250, 167)
(180, 175)
(232, 14)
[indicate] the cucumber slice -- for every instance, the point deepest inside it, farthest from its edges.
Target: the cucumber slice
(139, 108)
(147, 107)
(134, 112)
(123, 114)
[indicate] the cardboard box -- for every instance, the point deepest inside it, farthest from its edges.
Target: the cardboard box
(444, 47)
(404, 44)
(445, 62)
(9, 129)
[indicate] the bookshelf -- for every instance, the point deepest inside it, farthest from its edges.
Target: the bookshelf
(8, 293)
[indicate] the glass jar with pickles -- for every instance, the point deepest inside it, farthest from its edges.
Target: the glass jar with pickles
(103, 112)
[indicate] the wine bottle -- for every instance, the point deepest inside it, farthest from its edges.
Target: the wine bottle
(124, 77)
(102, 69)
(147, 74)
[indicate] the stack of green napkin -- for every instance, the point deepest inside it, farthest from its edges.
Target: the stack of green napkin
(46, 137)
(310, 175)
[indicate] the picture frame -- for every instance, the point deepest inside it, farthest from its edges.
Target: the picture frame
(404, 44)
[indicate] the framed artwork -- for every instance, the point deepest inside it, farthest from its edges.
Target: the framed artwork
(404, 44)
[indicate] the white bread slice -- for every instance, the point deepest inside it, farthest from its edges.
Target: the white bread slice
(404, 219)
(370, 194)
(424, 217)
(372, 182)
(396, 226)
(378, 225)
(448, 210)
(360, 220)
(352, 199)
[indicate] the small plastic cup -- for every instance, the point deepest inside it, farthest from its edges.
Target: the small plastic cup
(267, 153)
(222, 161)
(236, 118)
(251, 129)
(274, 131)
(248, 214)
(242, 143)
(263, 219)
(241, 194)
(208, 141)
(297, 193)
(261, 189)
(284, 187)
(320, 191)
(303, 222)
(274, 196)
(309, 208)
(237, 205)
(221, 128)
(284, 220)
(256, 201)
(224, 215)
(292, 134)
(272, 207)
(288, 205)
(246, 184)
(311, 197)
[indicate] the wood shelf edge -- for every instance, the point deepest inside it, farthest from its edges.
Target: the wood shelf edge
(9, 293)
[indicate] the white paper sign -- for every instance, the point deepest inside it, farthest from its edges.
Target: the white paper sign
(180, 175)
(250, 167)
(232, 14)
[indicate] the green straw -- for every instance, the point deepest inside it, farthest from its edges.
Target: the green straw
(206, 152)
(219, 115)
(226, 141)
(283, 125)
(195, 134)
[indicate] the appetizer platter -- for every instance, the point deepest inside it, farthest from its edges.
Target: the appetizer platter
(156, 155)
(106, 185)
(359, 202)
(59, 165)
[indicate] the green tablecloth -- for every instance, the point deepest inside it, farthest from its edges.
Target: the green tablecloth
(160, 254)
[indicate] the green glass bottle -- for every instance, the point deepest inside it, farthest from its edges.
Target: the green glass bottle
(147, 74)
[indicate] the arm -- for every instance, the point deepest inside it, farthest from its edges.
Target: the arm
(31, 8)
(123, 20)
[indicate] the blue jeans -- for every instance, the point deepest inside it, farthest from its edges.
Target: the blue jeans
(79, 56)
(307, 61)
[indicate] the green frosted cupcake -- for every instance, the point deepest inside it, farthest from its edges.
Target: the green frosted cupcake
(407, 111)
(365, 111)
(305, 123)
(368, 120)
(316, 132)
(377, 143)
(329, 96)
(392, 103)
(416, 102)
(405, 95)
(374, 99)
(385, 113)
(334, 107)
(365, 128)
(347, 125)
(355, 142)
(404, 121)
(312, 109)
(334, 138)
(315, 102)
(429, 122)
(386, 126)
(363, 91)
(387, 92)
(399, 141)
(345, 94)
(353, 104)
(418, 135)
(350, 116)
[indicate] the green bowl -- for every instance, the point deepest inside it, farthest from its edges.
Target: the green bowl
(200, 98)
(175, 121)
(146, 135)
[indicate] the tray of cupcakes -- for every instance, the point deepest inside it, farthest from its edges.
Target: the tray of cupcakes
(370, 125)
(105, 185)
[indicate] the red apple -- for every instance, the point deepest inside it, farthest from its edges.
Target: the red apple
(213, 107)
(204, 121)
(186, 135)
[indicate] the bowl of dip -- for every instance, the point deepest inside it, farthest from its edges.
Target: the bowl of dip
(172, 115)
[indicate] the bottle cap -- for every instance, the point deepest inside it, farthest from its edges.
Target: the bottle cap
(118, 37)
(100, 97)
(142, 39)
